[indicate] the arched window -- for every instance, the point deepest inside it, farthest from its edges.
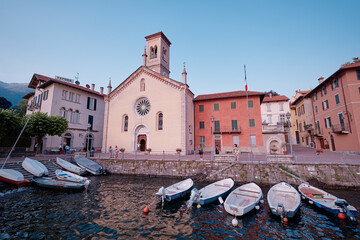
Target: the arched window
(63, 112)
(142, 85)
(160, 121)
(153, 52)
(70, 115)
(126, 123)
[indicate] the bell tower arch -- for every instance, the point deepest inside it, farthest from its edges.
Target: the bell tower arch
(158, 53)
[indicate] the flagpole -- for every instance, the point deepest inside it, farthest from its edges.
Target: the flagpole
(247, 102)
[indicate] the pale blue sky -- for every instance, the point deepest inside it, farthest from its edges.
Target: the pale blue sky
(286, 45)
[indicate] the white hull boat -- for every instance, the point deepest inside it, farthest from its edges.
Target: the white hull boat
(243, 199)
(35, 167)
(211, 192)
(90, 166)
(68, 176)
(175, 191)
(284, 200)
(13, 177)
(69, 166)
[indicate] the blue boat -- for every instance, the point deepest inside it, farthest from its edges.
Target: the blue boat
(175, 191)
(326, 201)
(211, 192)
(57, 183)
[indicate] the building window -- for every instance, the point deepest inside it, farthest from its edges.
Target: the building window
(234, 125)
(334, 84)
(337, 99)
(327, 122)
(217, 126)
(126, 123)
(142, 85)
(71, 115)
(201, 108)
(63, 112)
(46, 94)
(153, 52)
(318, 127)
(64, 94)
(315, 97)
(300, 127)
(216, 107)
(316, 109)
(358, 74)
(160, 121)
(282, 118)
(253, 140)
(91, 121)
(78, 98)
(71, 96)
(250, 104)
(201, 124)
(235, 139)
(202, 141)
(269, 117)
(91, 103)
(281, 106)
(76, 116)
(268, 105)
(251, 122)
(323, 91)
(233, 105)
(325, 104)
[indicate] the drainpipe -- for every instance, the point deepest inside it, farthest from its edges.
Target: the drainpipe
(346, 109)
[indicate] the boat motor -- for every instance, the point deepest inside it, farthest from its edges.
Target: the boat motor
(194, 197)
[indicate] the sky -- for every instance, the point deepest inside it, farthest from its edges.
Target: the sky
(285, 45)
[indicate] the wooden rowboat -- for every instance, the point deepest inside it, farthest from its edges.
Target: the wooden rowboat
(34, 167)
(211, 192)
(175, 191)
(13, 177)
(90, 166)
(326, 201)
(243, 199)
(57, 183)
(68, 176)
(70, 167)
(284, 200)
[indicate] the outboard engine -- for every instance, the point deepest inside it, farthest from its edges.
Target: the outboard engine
(161, 192)
(194, 197)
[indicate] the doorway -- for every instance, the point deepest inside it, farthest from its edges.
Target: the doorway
(142, 143)
(217, 146)
(297, 137)
(332, 143)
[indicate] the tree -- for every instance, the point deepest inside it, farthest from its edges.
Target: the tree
(10, 123)
(21, 108)
(40, 124)
(4, 103)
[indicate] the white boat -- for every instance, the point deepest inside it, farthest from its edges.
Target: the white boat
(68, 176)
(57, 183)
(175, 191)
(243, 199)
(69, 166)
(90, 166)
(211, 192)
(326, 201)
(13, 177)
(35, 167)
(284, 200)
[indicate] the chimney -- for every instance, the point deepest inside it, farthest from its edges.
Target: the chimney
(321, 79)
(356, 59)
(101, 90)
(109, 87)
(270, 95)
(93, 86)
(87, 86)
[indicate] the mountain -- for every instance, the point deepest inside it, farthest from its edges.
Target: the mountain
(14, 92)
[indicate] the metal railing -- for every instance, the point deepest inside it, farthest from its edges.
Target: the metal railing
(340, 128)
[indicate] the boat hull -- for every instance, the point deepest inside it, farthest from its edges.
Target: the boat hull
(35, 167)
(68, 176)
(57, 184)
(90, 166)
(176, 191)
(13, 177)
(213, 191)
(70, 167)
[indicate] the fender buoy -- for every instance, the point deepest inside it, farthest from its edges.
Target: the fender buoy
(146, 209)
(341, 216)
(286, 220)
(235, 222)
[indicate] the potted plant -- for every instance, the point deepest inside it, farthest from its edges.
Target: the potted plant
(122, 150)
(283, 146)
(148, 150)
(318, 151)
(98, 150)
(178, 150)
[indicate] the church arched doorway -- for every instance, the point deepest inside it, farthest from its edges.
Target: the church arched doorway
(141, 138)
(142, 142)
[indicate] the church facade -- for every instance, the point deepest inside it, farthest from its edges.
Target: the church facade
(150, 110)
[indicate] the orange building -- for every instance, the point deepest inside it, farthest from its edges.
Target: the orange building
(221, 120)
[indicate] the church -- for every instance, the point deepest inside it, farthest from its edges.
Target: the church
(150, 110)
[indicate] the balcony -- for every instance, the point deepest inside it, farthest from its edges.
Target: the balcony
(273, 128)
(318, 132)
(340, 128)
(227, 130)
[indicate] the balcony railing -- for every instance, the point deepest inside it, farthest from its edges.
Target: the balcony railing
(318, 132)
(340, 128)
(273, 128)
(223, 130)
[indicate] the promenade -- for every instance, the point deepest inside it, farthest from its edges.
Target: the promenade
(301, 155)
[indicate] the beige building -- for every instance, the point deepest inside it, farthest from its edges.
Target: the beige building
(83, 107)
(149, 110)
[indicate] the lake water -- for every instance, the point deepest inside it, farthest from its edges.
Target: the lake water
(112, 209)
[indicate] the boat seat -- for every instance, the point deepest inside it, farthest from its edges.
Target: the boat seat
(245, 195)
(218, 185)
(248, 191)
(284, 191)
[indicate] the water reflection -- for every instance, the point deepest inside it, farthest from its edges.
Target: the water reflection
(112, 209)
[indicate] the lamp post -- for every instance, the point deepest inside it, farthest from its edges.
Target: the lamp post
(88, 135)
(289, 126)
(212, 136)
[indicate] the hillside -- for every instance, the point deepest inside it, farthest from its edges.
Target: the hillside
(14, 92)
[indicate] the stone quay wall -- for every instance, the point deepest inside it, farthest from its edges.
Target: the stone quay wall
(329, 175)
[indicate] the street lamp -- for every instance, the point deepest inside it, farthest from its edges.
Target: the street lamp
(289, 126)
(212, 135)
(88, 136)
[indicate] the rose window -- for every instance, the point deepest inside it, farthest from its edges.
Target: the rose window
(143, 107)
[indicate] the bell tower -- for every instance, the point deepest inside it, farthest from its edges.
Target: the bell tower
(158, 53)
